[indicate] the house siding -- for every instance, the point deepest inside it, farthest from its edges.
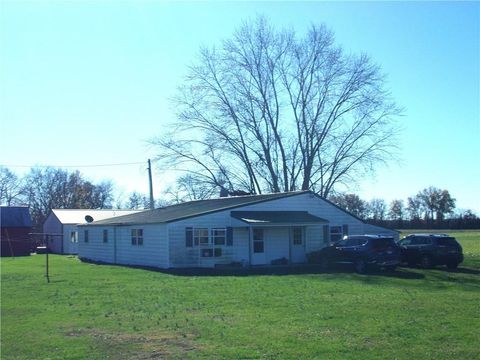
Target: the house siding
(69, 247)
(95, 249)
(182, 256)
(277, 239)
(119, 248)
(53, 226)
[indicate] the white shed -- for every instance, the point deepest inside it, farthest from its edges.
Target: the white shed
(265, 229)
(60, 227)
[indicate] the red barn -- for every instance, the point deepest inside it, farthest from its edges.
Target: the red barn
(15, 224)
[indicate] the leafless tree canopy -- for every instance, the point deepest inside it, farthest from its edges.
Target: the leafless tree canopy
(271, 111)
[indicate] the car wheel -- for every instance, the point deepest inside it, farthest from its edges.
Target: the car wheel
(452, 265)
(426, 262)
(360, 266)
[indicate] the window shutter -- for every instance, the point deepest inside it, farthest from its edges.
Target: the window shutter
(188, 237)
(345, 229)
(326, 234)
(229, 236)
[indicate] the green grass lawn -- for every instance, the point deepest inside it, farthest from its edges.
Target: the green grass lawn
(97, 312)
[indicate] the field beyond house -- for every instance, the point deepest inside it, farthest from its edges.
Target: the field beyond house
(98, 311)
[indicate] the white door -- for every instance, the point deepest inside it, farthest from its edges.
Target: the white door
(298, 245)
(258, 247)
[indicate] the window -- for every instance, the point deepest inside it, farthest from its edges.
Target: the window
(382, 243)
(258, 244)
(447, 241)
(105, 235)
(420, 240)
(354, 241)
(200, 236)
(218, 236)
(336, 233)
(85, 236)
(207, 239)
(297, 236)
(137, 237)
(74, 237)
(209, 252)
(351, 242)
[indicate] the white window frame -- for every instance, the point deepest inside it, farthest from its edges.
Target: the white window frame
(204, 238)
(257, 238)
(214, 236)
(200, 238)
(334, 234)
(297, 230)
(136, 237)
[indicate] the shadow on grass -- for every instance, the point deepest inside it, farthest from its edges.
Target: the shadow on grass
(464, 278)
(278, 270)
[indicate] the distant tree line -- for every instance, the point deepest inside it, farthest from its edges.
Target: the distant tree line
(46, 188)
(430, 208)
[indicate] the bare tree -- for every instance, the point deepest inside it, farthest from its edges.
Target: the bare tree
(414, 207)
(49, 188)
(269, 111)
(350, 202)
(189, 187)
(377, 209)
(436, 202)
(397, 210)
(137, 201)
(10, 188)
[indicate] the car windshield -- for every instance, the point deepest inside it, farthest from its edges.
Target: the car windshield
(382, 243)
(447, 241)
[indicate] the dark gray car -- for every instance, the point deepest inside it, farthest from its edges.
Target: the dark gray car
(363, 251)
(428, 250)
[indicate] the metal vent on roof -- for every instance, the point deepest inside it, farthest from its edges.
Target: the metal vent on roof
(88, 218)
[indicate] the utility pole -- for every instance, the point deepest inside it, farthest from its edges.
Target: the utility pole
(152, 204)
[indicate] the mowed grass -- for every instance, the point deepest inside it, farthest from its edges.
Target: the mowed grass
(98, 311)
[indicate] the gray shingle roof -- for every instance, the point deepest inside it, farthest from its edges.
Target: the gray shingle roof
(192, 209)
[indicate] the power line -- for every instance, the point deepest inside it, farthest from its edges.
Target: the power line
(72, 166)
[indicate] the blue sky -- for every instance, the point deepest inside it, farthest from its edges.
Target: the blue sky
(89, 82)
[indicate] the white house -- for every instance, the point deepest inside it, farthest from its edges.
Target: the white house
(249, 230)
(60, 226)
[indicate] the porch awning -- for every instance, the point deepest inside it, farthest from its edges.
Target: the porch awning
(277, 217)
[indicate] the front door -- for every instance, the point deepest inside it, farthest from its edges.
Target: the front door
(258, 247)
(298, 245)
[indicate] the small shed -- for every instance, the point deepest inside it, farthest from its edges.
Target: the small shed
(60, 227)
(16, 226)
